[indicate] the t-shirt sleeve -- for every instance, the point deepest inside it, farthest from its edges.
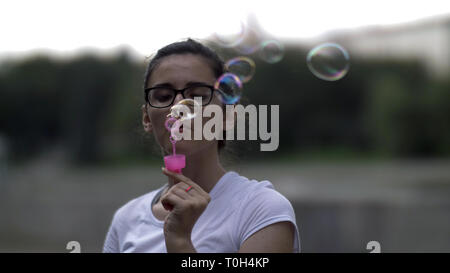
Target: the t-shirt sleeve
(263, 207)
(111, 244)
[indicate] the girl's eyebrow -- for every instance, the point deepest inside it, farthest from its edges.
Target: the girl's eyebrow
(168, 84)
(196, 83)
(164, 84)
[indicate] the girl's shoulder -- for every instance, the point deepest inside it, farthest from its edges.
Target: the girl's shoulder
(245, 190)
(245, 185)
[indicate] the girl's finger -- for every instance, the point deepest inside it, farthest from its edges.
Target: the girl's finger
(187, 192)
(181, 186)
(181, 192)
(176, 176)
(180, 177)
(170, 201)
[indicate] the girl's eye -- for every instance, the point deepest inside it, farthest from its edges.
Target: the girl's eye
(162, 94)
(163, 98)
(199, 91)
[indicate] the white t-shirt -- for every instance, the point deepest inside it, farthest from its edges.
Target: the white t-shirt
(238, 208)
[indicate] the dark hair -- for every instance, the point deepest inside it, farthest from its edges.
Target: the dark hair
(184, 47)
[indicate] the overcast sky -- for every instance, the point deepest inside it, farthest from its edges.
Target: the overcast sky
(65, 27)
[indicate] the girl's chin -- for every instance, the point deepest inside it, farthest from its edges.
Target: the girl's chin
(181, 147)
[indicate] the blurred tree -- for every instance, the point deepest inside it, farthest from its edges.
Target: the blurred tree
(92, 106)
(30, 105)
(87, 86)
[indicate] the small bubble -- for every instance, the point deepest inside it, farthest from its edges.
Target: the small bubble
(271, 51)
(230, 87)
(328, 61)
(242, 67)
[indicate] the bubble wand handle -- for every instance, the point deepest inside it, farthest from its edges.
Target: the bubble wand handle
(174, 162)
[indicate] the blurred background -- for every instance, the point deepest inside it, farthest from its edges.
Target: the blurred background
(362, 158)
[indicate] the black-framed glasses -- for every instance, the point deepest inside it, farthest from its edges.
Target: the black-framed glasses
(164, 96)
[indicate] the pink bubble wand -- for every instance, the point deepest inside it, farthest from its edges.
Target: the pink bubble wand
(174, 162)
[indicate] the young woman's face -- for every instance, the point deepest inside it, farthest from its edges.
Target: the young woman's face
(178, 71)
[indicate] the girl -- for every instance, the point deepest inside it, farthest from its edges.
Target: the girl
(206, 208)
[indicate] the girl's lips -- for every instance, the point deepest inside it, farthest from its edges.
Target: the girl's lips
(170, 122)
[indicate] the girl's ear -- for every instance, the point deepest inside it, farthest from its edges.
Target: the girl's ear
(146, 119)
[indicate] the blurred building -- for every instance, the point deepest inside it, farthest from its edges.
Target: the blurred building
(427, 39)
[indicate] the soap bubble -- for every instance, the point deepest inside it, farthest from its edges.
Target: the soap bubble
(173, 125)
(271, 51)
(242, 67)
(179, 110)
(180, 115)
(185, 109)
(170, 121)
(328, 61)
(230, 87)
(188, 102)
(232, 34)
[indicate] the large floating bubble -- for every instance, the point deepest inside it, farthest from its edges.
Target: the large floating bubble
(328, 61)
(271, 51)
(230, 87)
(242, 67)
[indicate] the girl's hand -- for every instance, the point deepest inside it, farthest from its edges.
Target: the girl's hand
(186, 201)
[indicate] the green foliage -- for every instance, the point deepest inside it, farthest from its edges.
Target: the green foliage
(408, 114)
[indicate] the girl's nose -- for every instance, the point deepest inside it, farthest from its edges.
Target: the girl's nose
(177, 99)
